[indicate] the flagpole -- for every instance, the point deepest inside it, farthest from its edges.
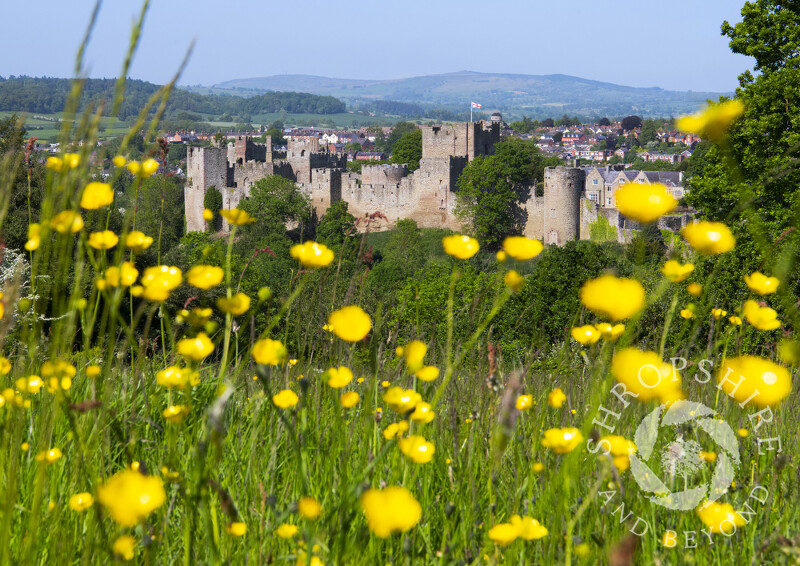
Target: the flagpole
(470, 112)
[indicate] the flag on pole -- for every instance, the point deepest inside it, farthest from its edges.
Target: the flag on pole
(476, 105)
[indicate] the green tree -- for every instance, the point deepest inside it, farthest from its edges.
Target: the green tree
(336, 226)
(275, 203)
(649, 132)
(212, 200)
(408, 149)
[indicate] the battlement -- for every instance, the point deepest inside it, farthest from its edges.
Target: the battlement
(383, 174)
(465, 139)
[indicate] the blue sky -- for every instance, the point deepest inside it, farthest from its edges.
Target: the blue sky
(672, 44)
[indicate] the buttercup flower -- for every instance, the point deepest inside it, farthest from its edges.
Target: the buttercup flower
(124, 276)
(501, 256)
(175, 413)
(204, 276)
(66, 222)
(350, 399)
(556, 398)
(735, 320)
(174, 377)
(81, 501)
(97, 195)
(522, 248)
(645, 374)
(528, 528)
(422, 413)
(269, 352)
(124, 547)
(414, 353)
(789, 351)
(286, 530)
(645, 203)
(718, 313)
(676, 272)
(562, 440)
(586, 335)
(389, 510)
(237, 216)
(613, 297)
(620, 448)
(713, 122)
(720, 517)
(514, 281)
(339, 377)
(34, 237)
(750, 378)
(138, 241)
(309, 508)
(149, 167)
(503, 534)
(524, 402)
(49, 456)
(609, 332)
(427, 373)
(351, 323)
(395, 430)
(761, 284)
(197, 348)
(236, 305)
(694, 289)
(709, 238)
(93, 371)
(208, 215)
(119, 161)
(129, 497)
(417, 449)
(285, 399)
(460, 247)
(401, 400)
(312, 254)
(763, 318)
(104, 240)
(687, 313)
(159, 281)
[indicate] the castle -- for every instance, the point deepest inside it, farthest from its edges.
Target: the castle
(564, 212)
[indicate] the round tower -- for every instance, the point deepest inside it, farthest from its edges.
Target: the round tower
(563, 187)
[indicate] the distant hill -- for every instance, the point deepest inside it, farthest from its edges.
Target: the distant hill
(48, 95)
(538, 96)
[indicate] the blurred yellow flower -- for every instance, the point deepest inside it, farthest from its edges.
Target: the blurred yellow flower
(134, 167)
(537, 467)
(613, 297)
(237, 216)
(395, 430)
(460, 247)
(204, 276)
(285, 399)
(339, 377)
(67, 221)
(269, 352)
(608, 332)
(414, 353)
(351, 323)
(350, 399)
(562, 440)
(138, 241)
(312, 254)
(158, 281)
(522, 248)
(514, 281)
(417, 449)
(718, 313)
(175, 413)
(763, 318)
(713, 122)
(389, 510)
(620, 448)
(675, 272)
(236, 305)
(124, 276)
(585, 335)
(124, 547)
(694, 289)
(708, 456)
(720, 517)
(422, 413)
(645, 203)
(93, 371)
(749, 378)
(208, 215)
(427, 373)
(5, 365)
(174, 377)
(55, 163)
(237, 529)
(81, 501)
(735, 320)
(34, 237)
(743, 432)
(285, 530)
(687, 313)
(97, 195)
(761, 284)
(104, 240)
(119, 161)
(709, 238)
(309, 508)
(646, 375)
(789, 351)
(196, 348)
(149, 167)
(130, 496)
(30, 384)
(501, 256)
(401, 400)
(49, 456)
(503, 534)
(556, 398)
(524, 402)
(528, 528)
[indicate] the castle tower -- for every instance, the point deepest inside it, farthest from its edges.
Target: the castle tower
(205, 167)
(563, 188)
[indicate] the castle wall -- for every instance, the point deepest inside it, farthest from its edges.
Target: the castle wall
(563, 188)
(466, 139)
(395, 201)
(383, 174)
(205, 167)
(534, 227)
(246, 174)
